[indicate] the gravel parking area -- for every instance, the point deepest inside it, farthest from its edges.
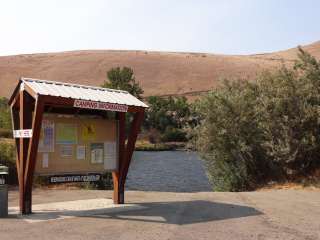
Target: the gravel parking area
(281, 214)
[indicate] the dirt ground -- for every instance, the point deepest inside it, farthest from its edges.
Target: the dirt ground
(274, 214)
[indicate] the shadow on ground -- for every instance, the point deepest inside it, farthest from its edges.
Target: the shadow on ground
(179, 213)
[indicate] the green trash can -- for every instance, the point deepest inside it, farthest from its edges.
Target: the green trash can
(3, 191)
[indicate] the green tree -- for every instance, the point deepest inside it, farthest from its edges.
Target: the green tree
(169, 116)
(123, 79)
(5, 116)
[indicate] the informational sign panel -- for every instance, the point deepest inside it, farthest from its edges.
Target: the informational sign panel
(66, 133)
(76, 146)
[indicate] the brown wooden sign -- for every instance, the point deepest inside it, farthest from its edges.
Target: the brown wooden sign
(100, 106)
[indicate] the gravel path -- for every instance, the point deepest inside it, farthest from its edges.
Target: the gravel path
(167, 171)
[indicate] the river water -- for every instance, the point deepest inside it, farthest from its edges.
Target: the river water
(167, 171)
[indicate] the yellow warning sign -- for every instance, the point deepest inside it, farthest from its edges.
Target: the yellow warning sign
(88, 132)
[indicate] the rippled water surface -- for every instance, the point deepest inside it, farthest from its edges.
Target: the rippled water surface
(168, 171)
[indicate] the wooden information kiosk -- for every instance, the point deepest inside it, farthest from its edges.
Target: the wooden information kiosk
(72, 133)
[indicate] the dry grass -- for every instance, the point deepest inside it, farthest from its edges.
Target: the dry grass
(160, 73)
(311, 182)
(7, 140)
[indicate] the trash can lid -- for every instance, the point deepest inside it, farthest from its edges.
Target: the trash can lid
(3, 170)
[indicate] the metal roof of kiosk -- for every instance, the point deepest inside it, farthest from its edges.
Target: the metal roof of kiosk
(32, 97)
(89, 97)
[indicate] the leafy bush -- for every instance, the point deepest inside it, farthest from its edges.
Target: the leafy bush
(268, 129)
(229, 136)
(5, 116)
(7, 158)
(105, 183)
(173, 135)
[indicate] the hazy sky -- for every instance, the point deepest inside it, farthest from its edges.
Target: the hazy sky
(216, 26)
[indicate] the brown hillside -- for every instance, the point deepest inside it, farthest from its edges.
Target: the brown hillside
(160, 73)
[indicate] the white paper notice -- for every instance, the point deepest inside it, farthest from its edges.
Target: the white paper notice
(96, 153)
(45, 160)
(110, 156)
(46, 141)
(81, 152)
(66, 150)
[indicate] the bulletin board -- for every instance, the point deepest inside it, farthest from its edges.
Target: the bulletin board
(71, 144)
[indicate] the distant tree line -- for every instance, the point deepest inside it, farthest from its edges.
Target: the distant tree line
(169, 116)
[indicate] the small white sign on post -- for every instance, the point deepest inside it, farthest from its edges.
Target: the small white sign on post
(23, 133)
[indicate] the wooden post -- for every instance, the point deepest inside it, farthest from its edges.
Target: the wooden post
(134, 130)
(32, 154)
(25, 115)
(118, 192)
(15, 126)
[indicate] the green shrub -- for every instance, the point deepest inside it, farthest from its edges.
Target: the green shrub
(105, 183)
(5, 116)
(173, 135)
(7, 153)
(7, 158)
(41, 180)
(229, 137)
(5, 133)
(263, 130)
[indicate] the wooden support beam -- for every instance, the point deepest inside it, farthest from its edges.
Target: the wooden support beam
(32, 154)
(118, 192)
(30, 91)
(15, 94)
(15, 126)
(15, 101)
(25, 115)
(134, 130)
